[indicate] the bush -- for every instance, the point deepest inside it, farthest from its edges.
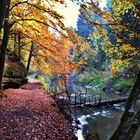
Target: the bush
(121, 84)
(45, 83)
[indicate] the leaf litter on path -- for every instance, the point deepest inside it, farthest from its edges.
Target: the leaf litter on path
(28, 114)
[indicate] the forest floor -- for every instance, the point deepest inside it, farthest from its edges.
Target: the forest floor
(29, 114)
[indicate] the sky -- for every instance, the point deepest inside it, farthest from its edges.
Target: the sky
(71, 11)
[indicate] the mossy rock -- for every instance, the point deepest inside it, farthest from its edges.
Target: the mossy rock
(92, 136)
(13, 82)
(15, 72)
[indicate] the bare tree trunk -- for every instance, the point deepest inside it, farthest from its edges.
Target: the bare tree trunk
(4, 44)
(19, 46)
(30, 57)
(127, 122)
(15, 42)
(2, 12)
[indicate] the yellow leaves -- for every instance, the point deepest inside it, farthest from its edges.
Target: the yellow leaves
(82, 62)
(118, 66)
(36, 10)
(121, 57)
(121, 51)
(119, 36)
(122, 7)
(106, 15)
(134, 35)
(119, 40)
(129, 50)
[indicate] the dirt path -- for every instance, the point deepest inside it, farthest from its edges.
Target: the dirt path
(28, 114)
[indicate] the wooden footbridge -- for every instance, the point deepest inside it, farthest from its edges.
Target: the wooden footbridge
(88, 101)
(109, 102)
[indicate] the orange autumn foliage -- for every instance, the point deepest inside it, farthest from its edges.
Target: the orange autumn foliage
(36, 20)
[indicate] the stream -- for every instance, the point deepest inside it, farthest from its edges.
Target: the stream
(103, 120)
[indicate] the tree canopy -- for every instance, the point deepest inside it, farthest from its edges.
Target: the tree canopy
(35, 33)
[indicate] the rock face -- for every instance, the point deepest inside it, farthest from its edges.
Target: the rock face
(15, 72)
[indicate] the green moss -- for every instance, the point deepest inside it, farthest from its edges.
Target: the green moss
(15, 70)
(92, 136)
(11, 72)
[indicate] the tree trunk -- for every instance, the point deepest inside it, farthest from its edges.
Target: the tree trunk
(127, 119)
(134, 126)
(4, 43)
(15, 42)
(2, 12)
(30, 57)
(19, 46)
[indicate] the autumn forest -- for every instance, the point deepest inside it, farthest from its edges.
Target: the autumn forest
(69, 70)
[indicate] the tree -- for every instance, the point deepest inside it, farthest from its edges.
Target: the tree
(80, 47)
(3, 4)
(129, 123)
(30, 56)
(4, 42)
(121, 46)
(33, 20)
(83, 29)
(122, 21)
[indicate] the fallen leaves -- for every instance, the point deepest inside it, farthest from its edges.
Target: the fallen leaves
(28, 114)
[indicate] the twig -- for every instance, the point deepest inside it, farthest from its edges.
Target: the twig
(2, 94)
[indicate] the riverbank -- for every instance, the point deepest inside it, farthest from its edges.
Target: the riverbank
(29, 114)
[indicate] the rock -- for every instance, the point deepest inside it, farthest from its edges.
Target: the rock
(13, 82)
(92, 136)
(15, 72)
(74, 137)
(15, 69)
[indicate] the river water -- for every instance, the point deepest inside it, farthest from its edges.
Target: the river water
(103, 120)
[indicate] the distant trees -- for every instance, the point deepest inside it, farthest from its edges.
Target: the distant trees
(83, 28)
(96, 56)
